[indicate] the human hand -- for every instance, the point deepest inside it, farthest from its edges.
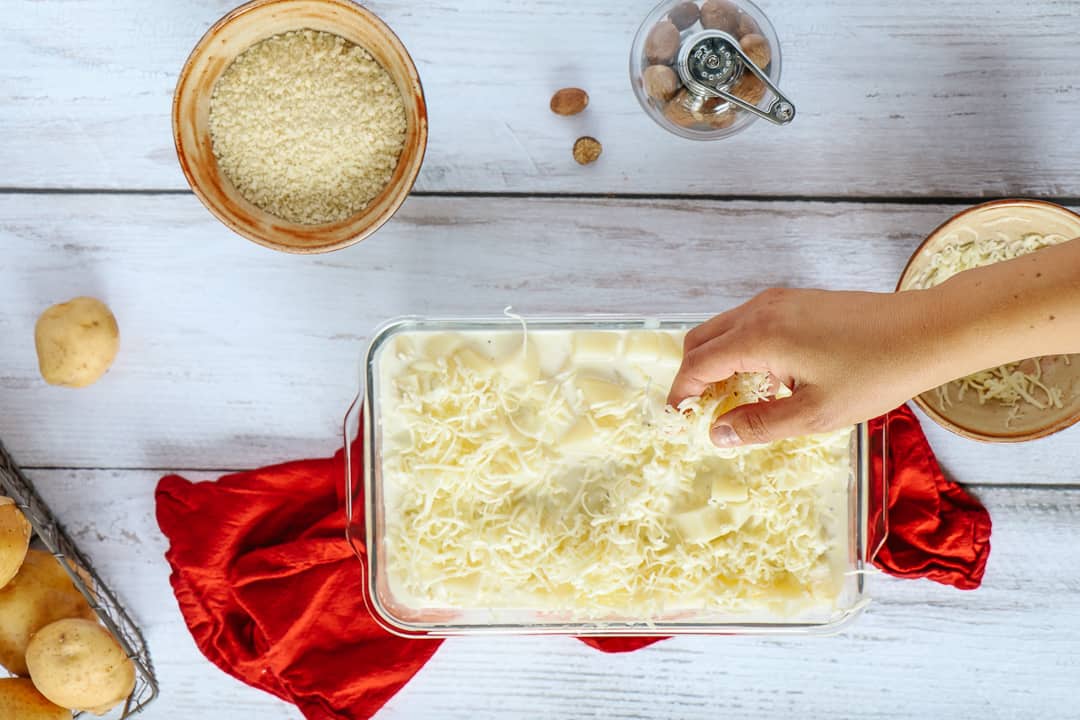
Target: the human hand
(847, 357)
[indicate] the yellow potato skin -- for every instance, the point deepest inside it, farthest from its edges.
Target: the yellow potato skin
(20, 700)
(77, 664)
(14, 539)
(76, 342)
(40, 593)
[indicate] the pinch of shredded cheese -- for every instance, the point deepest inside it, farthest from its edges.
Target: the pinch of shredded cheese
(1010, 385)
(576, 490)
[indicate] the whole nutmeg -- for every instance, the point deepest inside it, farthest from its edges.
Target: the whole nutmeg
(748, 88)
(747, 26)
(569, 101)
(756, 48)
(660, 82)
(678, 110)
(720, 15)
(587, 150)
(684, 15)
(720, 120)
(710, 104)
(677, 113)
(662, 43)
(716, 112)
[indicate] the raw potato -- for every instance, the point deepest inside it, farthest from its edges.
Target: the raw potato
(79, 665)
(20, 700)
(40, 593)
(14, 539)
(76, 342)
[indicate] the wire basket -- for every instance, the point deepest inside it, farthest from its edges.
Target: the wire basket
(101, 598)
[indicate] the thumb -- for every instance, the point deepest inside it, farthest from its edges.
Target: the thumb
(763, 422)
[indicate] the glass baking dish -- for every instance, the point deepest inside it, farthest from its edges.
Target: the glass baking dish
(409, 618)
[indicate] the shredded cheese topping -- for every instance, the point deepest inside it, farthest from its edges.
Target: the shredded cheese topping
(1015, 385)
(566, 485)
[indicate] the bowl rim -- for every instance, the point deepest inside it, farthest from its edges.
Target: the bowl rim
(408, 180)
(920, 400)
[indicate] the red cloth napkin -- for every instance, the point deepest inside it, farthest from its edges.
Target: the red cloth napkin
(272, 593)
(936, 530)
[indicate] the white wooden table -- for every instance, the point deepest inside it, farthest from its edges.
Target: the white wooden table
(234, 356)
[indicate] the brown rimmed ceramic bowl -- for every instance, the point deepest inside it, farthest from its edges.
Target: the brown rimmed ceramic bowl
(988, 422)
(232, 35)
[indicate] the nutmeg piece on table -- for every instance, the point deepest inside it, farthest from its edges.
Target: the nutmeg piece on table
(587, 150)
(569, 101)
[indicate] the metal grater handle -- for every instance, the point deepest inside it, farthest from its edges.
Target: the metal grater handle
(711, 62)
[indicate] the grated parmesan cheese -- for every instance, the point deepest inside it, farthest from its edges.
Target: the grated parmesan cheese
(1014, 385)
(548, 474)
(307, 126)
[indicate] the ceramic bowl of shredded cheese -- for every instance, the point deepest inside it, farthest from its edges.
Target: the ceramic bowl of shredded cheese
(529, 478)
(1018, 401)
(300, 124)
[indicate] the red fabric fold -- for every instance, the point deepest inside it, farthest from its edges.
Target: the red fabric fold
(936, 529)
(272, 593)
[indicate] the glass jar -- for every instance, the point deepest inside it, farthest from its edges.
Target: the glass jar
(706, 70)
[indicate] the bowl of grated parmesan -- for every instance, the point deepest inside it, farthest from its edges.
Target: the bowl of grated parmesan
(300, 124)
(1018, 401)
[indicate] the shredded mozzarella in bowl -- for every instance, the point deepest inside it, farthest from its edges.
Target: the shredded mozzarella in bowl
(546, 475)
(1015, 386)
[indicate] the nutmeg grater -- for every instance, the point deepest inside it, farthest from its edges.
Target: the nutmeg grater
(706, 70)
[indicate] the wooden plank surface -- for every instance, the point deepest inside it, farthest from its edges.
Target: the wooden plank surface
(921, 650)
(235, 356)
(919, 98)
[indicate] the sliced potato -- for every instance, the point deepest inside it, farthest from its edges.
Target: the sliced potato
(670, 349)
(76, 663)
(600, 391)
(580, 433)
(596, 345)
(14, 539)
(40, 593)
(710, 522)
(20, 700)
(642, 345)
(473, 360)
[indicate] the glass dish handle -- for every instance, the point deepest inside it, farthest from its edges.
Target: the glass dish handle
(351, 428)
(883, 517)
